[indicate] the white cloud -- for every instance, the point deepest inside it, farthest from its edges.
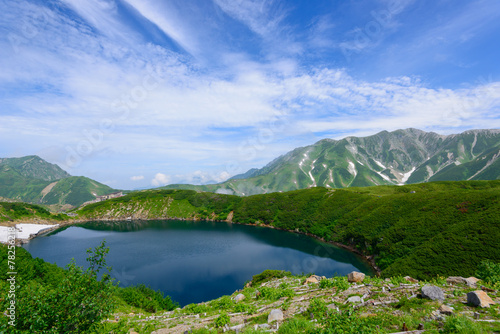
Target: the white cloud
(137, 178)
(160, 180)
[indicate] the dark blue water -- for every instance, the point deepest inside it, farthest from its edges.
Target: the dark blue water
(194, 261)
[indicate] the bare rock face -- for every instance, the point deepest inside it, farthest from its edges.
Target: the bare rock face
(355, 277)
(432, 292)
(479, 298)
(275, 315)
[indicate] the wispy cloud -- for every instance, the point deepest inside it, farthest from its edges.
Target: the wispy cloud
(104, 91)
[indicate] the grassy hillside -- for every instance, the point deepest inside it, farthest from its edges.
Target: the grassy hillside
(421, 230)
(12, 211)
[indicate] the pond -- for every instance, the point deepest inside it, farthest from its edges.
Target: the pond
(194, 261)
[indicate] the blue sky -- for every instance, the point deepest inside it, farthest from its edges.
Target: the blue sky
(142, 93)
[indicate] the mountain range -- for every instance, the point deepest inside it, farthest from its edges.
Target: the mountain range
(32, 179)
(386, 158)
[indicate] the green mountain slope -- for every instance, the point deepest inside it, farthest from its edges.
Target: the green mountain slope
(391, 158)
(421, 230)
(31, 179)
(34, 167)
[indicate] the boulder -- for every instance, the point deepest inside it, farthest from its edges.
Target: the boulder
(456, 280)
(239, 297)
(312, 279)
(479, 298)
(355, 277)
(472, 282)
(275, 315)
(444, 309)
(432, 292)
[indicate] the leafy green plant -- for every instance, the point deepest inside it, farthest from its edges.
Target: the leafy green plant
(294, 326)
(461, 325)
(222, 320)
(223, 303)
(338, 282)
(144, 297)
(267, 275)
(489, 272)
(78, 304)
(347, 321)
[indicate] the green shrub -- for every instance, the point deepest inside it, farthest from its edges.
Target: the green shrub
(347, 322)
(144, 297)
(267, 275)
(338, 282)
(489, 272)
(223, 303)
(222, 320)
(461, 325)
(294, 326)
(77, 305)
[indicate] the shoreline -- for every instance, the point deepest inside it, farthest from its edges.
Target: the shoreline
(368, 259)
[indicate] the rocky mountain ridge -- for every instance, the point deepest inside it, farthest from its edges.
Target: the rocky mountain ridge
(386, 158)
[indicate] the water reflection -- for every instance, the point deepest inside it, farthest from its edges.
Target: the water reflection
(194, 261)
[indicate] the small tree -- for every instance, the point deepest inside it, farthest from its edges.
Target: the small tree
(76, 305)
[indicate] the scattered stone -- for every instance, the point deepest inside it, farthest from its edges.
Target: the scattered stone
(262, 326)
(249, 284)
(456, 280)
(472, 282)
(444, 309)
(420, 326)
(432, 292)
(355, 277)
(332, 307)
(312, 279)
(275, 315)
(410, 279)
(237, 328)
(479, 298)
(436, 315)
(239, 297)
(476, 315)
(354, 299)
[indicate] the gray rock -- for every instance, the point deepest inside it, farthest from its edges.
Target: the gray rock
(455, 280)
(275, 315)
(239, 297)
(432, 292)
(471, 282)
(444, 309)
(355, 299)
